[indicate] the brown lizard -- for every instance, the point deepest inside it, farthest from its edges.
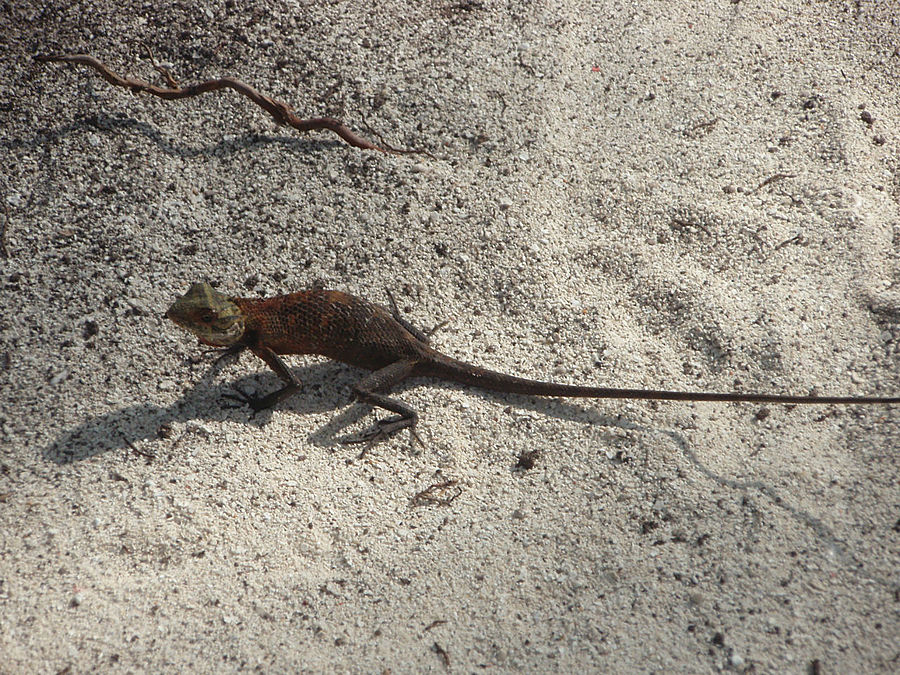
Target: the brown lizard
(350, 329)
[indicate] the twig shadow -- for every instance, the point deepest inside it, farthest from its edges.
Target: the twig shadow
(825, 534)
(175, 147)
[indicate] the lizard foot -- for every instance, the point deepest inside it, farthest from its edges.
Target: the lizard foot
(257, 403)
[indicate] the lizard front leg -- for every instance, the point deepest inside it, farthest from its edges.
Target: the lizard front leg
(370, 390)
(262, 402)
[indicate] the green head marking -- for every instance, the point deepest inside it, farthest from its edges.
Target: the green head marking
(209, 315)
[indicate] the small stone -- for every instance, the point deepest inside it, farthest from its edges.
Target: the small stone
(165, 384)
(59, 377)
(137, 306)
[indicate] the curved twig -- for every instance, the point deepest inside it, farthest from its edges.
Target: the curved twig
(280, 112)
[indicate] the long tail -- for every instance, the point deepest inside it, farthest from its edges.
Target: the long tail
(447, 368)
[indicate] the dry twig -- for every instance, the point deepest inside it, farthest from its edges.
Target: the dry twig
(772, 179)
(281, 112)
(143, 453)
(439, 494)
(441, 652)
(701, 128)
(796, 239)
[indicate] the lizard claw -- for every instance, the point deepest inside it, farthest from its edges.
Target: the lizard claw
(369, 436)
(377, 432)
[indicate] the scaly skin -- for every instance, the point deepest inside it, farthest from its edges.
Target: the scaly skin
(349, 329)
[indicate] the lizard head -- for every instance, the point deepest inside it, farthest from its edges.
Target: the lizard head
(209, 315)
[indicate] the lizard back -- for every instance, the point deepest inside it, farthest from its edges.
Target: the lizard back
(329, 323)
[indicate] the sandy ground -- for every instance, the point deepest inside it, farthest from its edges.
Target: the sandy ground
(647, 194)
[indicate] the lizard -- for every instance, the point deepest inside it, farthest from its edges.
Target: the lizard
(355, 331)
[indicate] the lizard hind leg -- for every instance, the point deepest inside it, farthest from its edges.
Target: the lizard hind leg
(421, 335)
(370, 390)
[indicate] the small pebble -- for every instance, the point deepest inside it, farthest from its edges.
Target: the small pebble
(59, 377)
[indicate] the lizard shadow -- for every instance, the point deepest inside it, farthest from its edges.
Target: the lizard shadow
(546, 406)
(127, 427)
(328, 386)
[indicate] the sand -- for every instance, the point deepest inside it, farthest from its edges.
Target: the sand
(661, 194)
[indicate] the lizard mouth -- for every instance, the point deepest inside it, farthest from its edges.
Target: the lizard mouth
(219, 336)
(225, 338)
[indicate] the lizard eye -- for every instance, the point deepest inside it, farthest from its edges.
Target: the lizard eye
(207, 317)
